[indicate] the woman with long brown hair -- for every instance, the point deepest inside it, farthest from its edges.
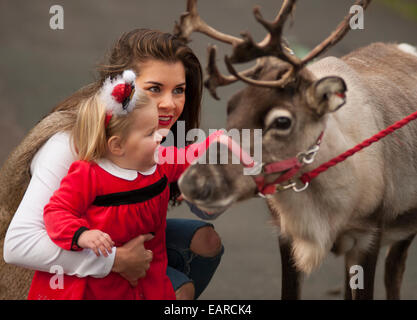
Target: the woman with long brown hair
(169, 72)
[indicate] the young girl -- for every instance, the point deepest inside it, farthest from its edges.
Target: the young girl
(114, 193)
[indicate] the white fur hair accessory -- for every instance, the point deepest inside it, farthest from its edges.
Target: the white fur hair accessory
(119, 94)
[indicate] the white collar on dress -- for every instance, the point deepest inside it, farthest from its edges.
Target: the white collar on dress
(122, 173)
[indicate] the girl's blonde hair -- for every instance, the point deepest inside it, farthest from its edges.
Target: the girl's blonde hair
(89, 135)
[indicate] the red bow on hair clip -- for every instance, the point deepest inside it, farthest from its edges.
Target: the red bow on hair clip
(119, 94)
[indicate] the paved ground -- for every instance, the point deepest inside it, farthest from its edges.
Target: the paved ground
(39, 67)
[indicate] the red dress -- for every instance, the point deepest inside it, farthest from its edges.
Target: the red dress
(90, 197)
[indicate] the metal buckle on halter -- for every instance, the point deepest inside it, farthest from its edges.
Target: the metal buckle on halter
(279, 188)
(264, 196)
(292, 185)
(302, 188)
(308, 156)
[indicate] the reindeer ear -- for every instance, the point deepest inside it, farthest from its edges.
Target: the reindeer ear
(327, 95)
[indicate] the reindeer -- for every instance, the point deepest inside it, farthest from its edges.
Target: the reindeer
(354, 208)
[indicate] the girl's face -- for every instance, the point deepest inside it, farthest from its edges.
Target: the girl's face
(143, 140)
(164, 82)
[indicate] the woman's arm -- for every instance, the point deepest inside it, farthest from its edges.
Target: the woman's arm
(64, 214)
(27, 243)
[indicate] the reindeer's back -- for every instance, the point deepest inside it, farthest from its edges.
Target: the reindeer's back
(389, 71)
(382, 89)
(392, 61)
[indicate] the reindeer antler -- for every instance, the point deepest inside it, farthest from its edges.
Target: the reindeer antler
(190, 21)
(216, 79)
(337, 35)
(246, 49)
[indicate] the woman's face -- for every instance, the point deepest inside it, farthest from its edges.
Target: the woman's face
(164, 82)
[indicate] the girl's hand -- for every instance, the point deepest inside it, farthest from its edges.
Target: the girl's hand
(97, 241)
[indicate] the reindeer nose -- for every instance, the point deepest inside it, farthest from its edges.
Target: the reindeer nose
(194, 185)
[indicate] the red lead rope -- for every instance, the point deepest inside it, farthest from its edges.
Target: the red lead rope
(308, 176)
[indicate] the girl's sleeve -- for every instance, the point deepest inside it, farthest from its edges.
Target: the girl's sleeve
(176, 160)
(27, 243)
(63, 215)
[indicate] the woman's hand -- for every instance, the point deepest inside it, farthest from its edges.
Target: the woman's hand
(132, 260)
(97, 241)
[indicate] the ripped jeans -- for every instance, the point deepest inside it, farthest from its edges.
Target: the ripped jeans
(184, 265)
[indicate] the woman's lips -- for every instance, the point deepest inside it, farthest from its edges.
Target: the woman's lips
(165, 120)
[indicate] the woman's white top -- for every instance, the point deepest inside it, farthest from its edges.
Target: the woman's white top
(27, 243)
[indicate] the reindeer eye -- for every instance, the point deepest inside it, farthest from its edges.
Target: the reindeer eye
(279, 120)
(282, 123)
